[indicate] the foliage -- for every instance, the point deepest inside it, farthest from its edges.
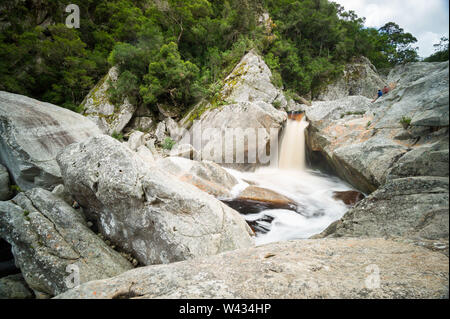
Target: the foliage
(405, 121)
(441, 51)
(168, 143)
(176, 52)
(117, 136)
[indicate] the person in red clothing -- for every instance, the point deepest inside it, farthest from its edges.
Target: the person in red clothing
(386, 90)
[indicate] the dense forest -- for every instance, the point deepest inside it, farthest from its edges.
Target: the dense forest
(176, 52)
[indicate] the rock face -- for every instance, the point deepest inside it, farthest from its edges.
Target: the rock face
(246, 102)
(263, 197)
(14, 287)
(349, 198)
(359, 78)
(414, 207)
(344, 268)
(366, 145)
(5, 191)
(32, 133)
(100, 109)
(146, 211)
(47, 236)
(363, 141)
(206, 175)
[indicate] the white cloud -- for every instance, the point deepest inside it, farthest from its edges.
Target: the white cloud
(427, 20)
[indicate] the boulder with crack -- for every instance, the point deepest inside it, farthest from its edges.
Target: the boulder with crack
(360, 77)
(249, 107)
(32, 133)
(98, 107)
(146, 211)
(50, 241)
(362, 141)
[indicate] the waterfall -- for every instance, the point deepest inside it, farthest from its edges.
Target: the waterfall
(292, 149)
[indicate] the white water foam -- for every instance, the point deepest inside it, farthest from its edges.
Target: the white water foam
(313, 193)
(310, 189)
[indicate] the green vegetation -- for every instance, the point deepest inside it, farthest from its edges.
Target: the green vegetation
(15, 189)
(405, 122)
(352, 113)
(177, 52)
(168, 143)
(441, 52)
(117, 136)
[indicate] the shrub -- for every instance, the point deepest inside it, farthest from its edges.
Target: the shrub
(117, 136)
(405, 122)
(168, 143)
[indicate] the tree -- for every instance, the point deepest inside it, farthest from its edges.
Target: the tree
(441, 51)
(170, 79)
(400, 48)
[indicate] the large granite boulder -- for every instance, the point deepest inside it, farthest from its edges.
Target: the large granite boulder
(406, 167)
(97, 106)
(206, 175)
(5, 191)
(363, 141)
(32, 133)
(49, 237)
(145, 210)
(412, 207)
(14, 287)
(330, 268)
(360, 77)
(248, 101)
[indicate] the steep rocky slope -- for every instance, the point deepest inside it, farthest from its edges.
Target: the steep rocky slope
(248, 101)
(397, 146)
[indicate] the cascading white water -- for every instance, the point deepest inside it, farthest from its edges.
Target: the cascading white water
(312, 191)
(292, 150)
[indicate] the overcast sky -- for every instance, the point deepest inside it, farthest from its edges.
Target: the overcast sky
(427, 20)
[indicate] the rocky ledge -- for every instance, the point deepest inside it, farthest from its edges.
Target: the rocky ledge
(329, 268)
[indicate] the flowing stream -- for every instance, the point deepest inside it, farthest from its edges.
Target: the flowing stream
(311, 190)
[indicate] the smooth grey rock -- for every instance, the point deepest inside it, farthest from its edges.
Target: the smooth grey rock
(144, 123)
(363, 141)
(14, 287)
(412, 207)
(421, 94)
(148, 212)
(5, 191)
(246, 102)
(330, 268)
(61, 192)
(250, 81)
(47, 235)
(145, 154)
(100, 109)
(160, 132)
(426, 160)
(184, 150)
(359, 78)
(136, 140)
(32, 133)
(206, 175)
(175, 132)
